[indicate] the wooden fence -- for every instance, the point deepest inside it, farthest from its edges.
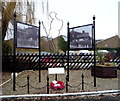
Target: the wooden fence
(31, 61)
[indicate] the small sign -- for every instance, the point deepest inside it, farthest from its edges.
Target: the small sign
(56, 70)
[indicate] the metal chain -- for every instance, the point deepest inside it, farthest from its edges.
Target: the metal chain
(89, 83)
(21, 86)
(37, 88)
(74, 86)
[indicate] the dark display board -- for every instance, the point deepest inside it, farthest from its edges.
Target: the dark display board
(27, 36)
(81, 37)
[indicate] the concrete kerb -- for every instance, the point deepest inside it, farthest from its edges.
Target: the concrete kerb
(96, 93)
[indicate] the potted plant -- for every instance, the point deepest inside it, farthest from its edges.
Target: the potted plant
(103, 68)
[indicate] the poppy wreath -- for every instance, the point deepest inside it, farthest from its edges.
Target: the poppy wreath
(57, 85)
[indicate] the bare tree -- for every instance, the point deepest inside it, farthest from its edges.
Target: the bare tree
(25, 13)
(7, 15)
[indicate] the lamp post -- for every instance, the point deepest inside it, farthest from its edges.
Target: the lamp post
(94, 50)
(68, 51)
(14, 52)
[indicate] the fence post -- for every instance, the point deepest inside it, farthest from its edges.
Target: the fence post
(56, 77)
(82, 81)
(47, 84)
(66, 83)
(28, 83)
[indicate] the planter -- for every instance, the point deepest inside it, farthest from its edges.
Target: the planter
(104, 71)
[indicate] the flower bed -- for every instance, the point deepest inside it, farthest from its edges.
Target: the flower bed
(57, 85)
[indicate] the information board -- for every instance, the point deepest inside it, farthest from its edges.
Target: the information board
(81, 37)
(27, 36)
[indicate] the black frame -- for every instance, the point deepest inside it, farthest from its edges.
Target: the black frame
(15, 46)
(92, 48)
(68, 29)
(82, 48)
(17, 22)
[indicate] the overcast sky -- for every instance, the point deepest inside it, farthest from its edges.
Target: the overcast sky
(80, 12)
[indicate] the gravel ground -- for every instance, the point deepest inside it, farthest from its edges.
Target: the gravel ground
(75, 80)
(6, 76)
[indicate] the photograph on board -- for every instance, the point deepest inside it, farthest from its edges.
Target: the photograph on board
(81, 37)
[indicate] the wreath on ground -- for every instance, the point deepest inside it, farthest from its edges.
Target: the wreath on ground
(57, 85)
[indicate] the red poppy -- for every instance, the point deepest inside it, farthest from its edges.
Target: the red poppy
(57, 85)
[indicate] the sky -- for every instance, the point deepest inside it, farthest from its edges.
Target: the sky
(78, 13)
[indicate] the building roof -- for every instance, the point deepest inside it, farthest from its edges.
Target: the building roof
(112, 42)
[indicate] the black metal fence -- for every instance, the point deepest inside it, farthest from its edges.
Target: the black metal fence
(31, 61)
(28, 86)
